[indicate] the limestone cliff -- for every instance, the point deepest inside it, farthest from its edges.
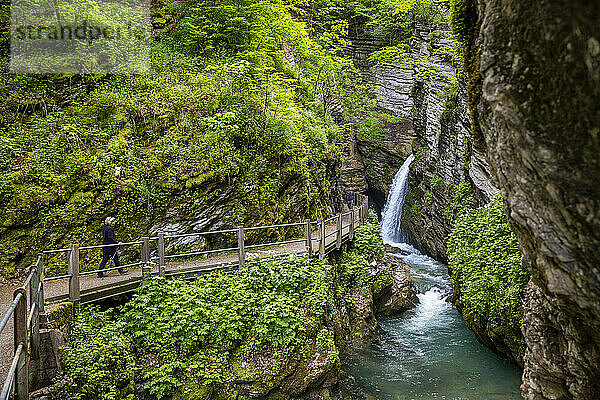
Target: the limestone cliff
(446, 155)
(437, 130)
(432, 97)
(540, 117)
(373, 158)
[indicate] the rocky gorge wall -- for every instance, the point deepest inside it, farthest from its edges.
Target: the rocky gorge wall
(445, 153)
(449, 167)
(540, 118)
(436, 129)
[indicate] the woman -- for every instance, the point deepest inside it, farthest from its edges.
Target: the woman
(108, 253)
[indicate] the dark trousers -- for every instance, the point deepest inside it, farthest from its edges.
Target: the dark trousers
(107, 254)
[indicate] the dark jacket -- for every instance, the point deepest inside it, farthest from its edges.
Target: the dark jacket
(109, 237)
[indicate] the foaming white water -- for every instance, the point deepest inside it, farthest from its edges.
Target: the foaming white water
(425, 271)
(431, 306)
(421, 260)
(405, 247)
(392, 212)
(427, 352)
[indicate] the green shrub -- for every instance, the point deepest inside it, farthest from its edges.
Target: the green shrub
(368, 247)
(98, 360)
(486, 266)
(436, 182)
(268, 305)
(462, 200)
(370, 129)
(368, 239)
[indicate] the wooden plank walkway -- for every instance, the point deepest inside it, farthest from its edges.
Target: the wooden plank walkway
(87, 287)
(90, 285)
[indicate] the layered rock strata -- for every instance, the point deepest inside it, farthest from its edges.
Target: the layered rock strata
(540, 118)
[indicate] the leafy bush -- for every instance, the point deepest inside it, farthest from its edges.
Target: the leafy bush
(98, 359)
(368, 239)
(436, 182)
(462, 201)
(486, 266)
(367, 247)
(370, 129)
(188, 335)
(268, 305)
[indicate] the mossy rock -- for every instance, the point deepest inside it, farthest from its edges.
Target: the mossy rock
(61, 316)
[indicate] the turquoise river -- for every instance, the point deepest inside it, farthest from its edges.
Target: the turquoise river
(428, 352)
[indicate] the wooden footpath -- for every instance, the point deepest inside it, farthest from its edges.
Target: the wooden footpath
(29, 301)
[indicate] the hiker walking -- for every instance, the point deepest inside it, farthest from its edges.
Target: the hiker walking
(350, 197)
(109, 253)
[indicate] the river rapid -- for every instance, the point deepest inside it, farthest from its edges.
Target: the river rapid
(428, 352)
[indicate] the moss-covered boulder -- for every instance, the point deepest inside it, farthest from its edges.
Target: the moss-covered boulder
(398, 293)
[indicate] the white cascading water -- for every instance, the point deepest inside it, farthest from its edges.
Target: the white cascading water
(392, 212)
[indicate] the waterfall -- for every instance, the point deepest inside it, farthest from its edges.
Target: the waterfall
(392, 212)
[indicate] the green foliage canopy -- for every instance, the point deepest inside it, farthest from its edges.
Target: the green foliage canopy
(237, 98)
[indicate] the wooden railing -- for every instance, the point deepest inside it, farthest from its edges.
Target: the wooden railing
(27, 321)
(26, 328)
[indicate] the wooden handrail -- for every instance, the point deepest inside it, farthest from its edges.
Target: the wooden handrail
(26, 320)
(25, 331)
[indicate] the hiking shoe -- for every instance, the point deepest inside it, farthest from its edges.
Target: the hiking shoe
(123, 271)
(100, 275)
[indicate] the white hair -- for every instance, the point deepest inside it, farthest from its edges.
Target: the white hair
(109, 220)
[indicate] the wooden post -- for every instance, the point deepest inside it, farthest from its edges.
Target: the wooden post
(34, 298)
(20, 338)
(161, 254)
(42, 275)
(145, 258)
(33, 285)
(321, 239)
(360, 214)
(242, 251)
(338, 223)
(74, 278)
(308, 236)
(351, 232)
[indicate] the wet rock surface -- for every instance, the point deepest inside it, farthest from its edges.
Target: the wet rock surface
(44, 367)
(383, 156)
(399, 296)
(540, 113)
(436, 130)
(445, 153)
(439, 135)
